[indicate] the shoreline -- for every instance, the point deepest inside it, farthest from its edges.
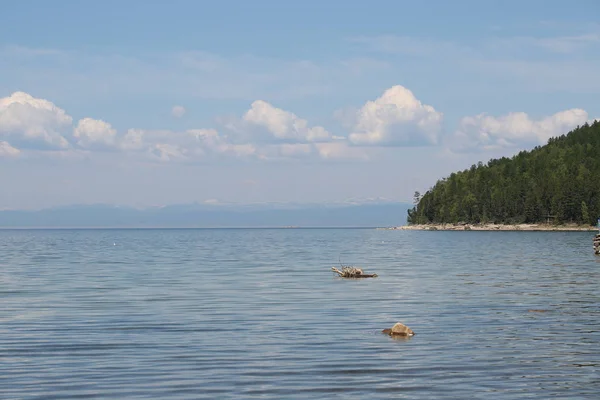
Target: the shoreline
(496, 227)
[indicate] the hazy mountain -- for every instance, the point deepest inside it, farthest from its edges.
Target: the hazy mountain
(375, 214)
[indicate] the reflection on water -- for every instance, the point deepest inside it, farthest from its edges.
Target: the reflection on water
(259, 314)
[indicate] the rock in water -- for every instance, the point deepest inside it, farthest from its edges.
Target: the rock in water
(399, 329)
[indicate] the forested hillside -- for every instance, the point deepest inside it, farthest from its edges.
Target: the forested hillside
(559, 181)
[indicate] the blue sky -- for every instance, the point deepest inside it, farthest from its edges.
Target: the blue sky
(147, 102)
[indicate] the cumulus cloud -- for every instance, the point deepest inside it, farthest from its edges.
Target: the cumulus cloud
(6, 150)
(178, 111)
(91, 132)
(397, 118)
(281, 134)
(513, 130)
(33, 122)
(281, 125)
(263, 132)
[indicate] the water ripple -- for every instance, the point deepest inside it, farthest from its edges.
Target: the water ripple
(191, 314)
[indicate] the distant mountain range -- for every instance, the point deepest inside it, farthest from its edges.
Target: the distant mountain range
(210, 215)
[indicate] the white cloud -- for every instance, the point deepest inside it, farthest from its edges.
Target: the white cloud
(33, 121)
(396, 118)
(288, 136)
(513, 130)
(133, 140)
(268, 133)
(282, 125)
(188, 145)
(91, 132)
(163, 145)
(264, 132)
(6, 150)
(209, 139)
(178, 111)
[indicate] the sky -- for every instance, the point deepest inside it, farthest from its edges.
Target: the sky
(147, 103)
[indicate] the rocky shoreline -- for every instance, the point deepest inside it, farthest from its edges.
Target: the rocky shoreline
(495, 227)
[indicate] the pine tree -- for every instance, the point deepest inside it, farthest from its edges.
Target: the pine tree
(561, 178)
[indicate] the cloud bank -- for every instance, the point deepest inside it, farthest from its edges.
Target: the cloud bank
(265, 132)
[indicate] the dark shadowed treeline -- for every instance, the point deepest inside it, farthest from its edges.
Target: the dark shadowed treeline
(559, 182)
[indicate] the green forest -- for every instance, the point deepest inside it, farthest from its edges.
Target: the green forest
(558, 182)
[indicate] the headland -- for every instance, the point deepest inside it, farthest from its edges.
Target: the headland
(495, 227)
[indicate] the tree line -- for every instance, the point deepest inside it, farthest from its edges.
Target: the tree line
(558, 182)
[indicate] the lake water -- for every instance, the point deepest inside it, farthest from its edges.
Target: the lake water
(257, 313)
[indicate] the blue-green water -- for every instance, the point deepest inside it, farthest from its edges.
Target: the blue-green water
(257, 313)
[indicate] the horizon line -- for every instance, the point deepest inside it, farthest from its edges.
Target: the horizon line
(23, 228)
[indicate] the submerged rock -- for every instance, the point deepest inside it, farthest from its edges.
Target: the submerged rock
(399, 329)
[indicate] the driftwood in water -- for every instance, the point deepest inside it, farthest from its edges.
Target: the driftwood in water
(352, 272)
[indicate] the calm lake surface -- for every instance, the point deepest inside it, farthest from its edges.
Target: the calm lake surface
(257, 313)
